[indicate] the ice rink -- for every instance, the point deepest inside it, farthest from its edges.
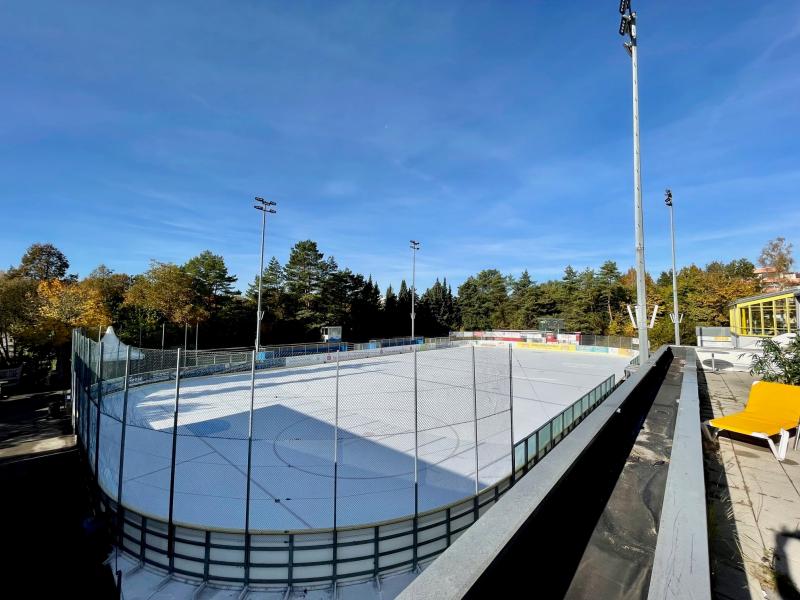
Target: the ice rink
(297, 460)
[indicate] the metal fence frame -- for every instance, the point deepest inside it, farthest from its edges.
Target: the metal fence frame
(286, 558)
(545, 337)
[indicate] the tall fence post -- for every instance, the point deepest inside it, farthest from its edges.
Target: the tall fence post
(99, 402)
(88, 391)
(335, 473)
(249, 469)
(475, 416)
(171, 523)
(120, 509)
(85, 395)
(511, 411)
(76, 377)
(73, 361)
(416, 462)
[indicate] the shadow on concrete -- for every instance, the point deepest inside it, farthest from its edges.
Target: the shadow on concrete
(728, 576)
(718, 363)
(786, 588)
(54, 544)
(32, 417)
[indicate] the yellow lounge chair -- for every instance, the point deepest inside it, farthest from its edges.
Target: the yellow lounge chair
(772, 409)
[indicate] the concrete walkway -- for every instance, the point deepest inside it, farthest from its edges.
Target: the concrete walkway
(754, 503)
(55, 542)
(28, 428)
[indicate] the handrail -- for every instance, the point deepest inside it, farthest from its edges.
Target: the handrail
(680, 564)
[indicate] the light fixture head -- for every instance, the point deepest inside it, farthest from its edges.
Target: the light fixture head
(625, 25)
(263, 204)
(668, 197)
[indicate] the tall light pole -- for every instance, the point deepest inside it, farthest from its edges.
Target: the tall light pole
(627, 27)
(675, 315)
(265, 206)
(414, 248)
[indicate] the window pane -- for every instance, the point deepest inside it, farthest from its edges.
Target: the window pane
(781, 316)
(519, 456)
(755, 316)
(769, 323)
(544, 440)
(558, 426)
(531, 447)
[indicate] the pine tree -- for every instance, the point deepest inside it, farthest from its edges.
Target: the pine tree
(483, 300)
(210, 275)
(304, 274)
(523, 303)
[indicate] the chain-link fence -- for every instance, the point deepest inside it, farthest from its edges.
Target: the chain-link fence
(608, 341)
(414, 439)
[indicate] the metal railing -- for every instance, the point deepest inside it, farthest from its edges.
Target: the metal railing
(583, 340)
(608, 341)
(313, 556)
(530, 450)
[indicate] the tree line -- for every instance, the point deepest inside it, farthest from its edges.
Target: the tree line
(40, 302)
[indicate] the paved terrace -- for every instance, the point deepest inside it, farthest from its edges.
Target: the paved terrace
(754, 503)
(55, 549)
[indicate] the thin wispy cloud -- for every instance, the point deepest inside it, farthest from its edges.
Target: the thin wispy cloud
(132, 135)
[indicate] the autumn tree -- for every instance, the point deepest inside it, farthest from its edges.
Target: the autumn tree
(777, 256)
(110, 287)
(167, 290)
(19, 304)
(42, 262)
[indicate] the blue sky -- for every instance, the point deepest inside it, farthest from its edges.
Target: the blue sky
(496, 133)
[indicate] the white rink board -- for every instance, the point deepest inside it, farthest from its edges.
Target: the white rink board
(293, 441)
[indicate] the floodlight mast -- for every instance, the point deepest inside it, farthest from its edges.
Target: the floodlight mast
(265, 206)
(628, 27)
(414, 247)
(675, 315)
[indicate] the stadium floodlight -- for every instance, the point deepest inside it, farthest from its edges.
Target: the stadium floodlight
(627, 27)
(414, 247)
(676, 318)
(265, 206)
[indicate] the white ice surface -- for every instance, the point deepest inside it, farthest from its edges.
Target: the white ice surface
(293, 435)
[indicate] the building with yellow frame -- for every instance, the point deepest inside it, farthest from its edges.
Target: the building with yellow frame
(766, 315)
